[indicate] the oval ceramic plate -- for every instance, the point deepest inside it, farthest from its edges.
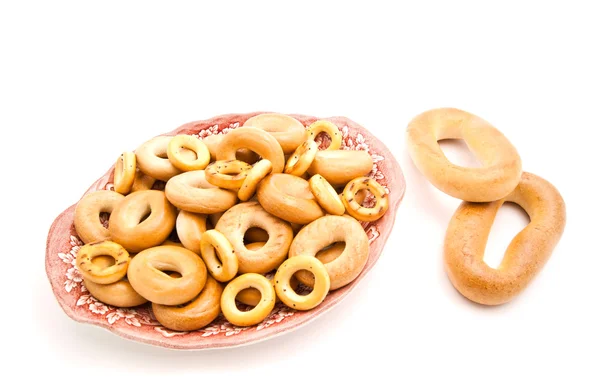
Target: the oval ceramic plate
(139, 324)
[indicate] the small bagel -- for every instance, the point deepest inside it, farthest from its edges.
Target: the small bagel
(467, 235)
(227, 174)
(341, 166)
(302, 158)
(214, 243)
(125, 172)
(288, 197)
(285, 273)
(119, 294)
(191, 191)
(191, 143)
(128, 227)
(194, 315)
(289, 132)
(87, 214)
(328, 230)
(326, 195)
(260, 311)
(237, 220)
(147, 277)
(255, 140)
(258, 172)
(101, 274)
(152, 159)
(190, 227)
(355, 209)
(142, 181)
(243, 154)
(501, 169)
(330, 129)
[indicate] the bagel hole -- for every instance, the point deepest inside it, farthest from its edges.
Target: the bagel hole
(367, 199)
(509, 221)
(146, 214)
(162, 155)
(104, 217)
(255, 234)
(458, 153)
(187, 154)
(246, 155)
(323, 140)
(104, 261)
(172, 273)
(303, 289)
(243, 307)
(331, 252)
(159, 185)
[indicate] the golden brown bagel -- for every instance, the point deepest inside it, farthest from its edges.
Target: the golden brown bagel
(119, 294)
(467, 235)
(341, 166)
(289, 132)
(253, 139)
(190, 227)
(87, 214)
(152, 160)
(191, 191)
(501, 170)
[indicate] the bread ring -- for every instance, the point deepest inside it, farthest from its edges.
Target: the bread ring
(119, 294)
(237, 220)
(125, 172)
(191, 191)
(190, 227)
(341, 166)
(227, 174)
(180, 142)
(142, 181)
(328, 230)
(243, 154)
(286, 271)
(288, 197)
(501, 169)
(258, 172)
(326, 195)
(253, 139)
(330, 129)
(528, 252)
(147, 277)
(260, 311)
(153, 160)
(355, 209)
(100, 274)
(128, 227)
(201, 311)
(225, 267)
(289, 132)
(301, 159)
(87, 215)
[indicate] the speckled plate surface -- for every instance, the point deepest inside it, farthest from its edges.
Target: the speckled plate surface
(139, 324)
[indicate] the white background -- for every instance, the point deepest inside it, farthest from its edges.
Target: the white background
(79, 83)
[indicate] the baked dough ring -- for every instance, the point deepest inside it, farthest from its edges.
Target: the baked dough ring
(288, 197)
(87, 215)
(243, 154)
(289, 132)
(128, 227)
(152, 159)
(225, 267)
(302, 158)
(227, 174)
(190, 227)
(330, 129)
(355, 209)
(286, 271)
(260, 311)
(501, 170)
(124, 172)
(341, 166)
(467, 235)
(233, 225)
(96, 272)
(147, 277)
(194, 315)
(142, 181)
(191, 143)
(326, 195)
(328, 230)
(258, 172)
(119, 294)
(253, 139)
(191, 191)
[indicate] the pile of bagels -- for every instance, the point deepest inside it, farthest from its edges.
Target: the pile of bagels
(198, 226)
(483, 191)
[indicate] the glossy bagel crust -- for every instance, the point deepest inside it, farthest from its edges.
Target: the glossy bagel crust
(530, 249)
(191, 191)
(501, 164)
